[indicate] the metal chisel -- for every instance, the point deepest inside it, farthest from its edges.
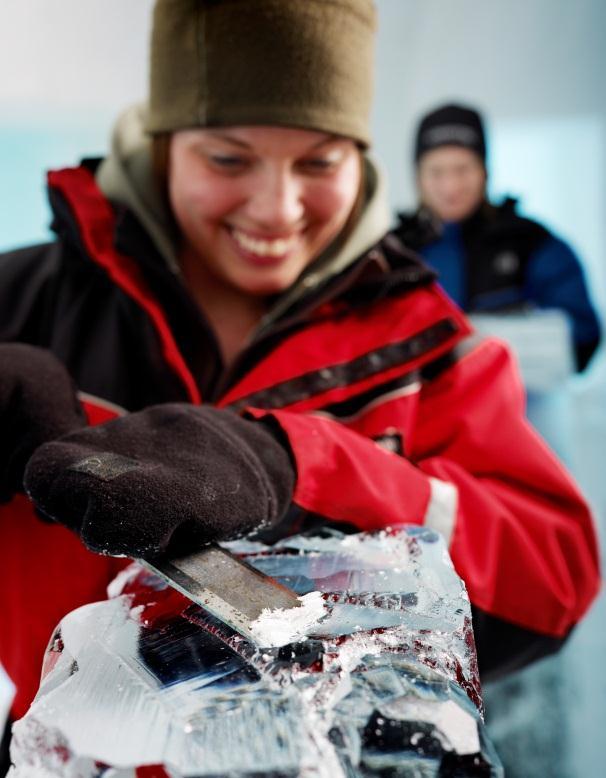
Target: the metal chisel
(228, 588)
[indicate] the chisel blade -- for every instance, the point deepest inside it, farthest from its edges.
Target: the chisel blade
(225, 586)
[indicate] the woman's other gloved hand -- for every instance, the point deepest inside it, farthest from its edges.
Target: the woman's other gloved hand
(38, 403)
(169, 478)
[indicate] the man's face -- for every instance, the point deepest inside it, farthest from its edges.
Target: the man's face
(256, 205)
(451, 182)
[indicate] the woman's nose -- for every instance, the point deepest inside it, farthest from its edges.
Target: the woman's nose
(276, 200)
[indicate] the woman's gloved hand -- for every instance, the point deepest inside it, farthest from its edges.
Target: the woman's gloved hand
(169, 478)
(38, 403)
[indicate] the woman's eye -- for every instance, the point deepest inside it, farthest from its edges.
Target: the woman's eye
(227, 162)
(318, 164)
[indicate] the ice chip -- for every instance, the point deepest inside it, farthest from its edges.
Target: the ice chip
(279, 626)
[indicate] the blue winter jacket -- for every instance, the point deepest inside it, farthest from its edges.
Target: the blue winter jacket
(497, 260)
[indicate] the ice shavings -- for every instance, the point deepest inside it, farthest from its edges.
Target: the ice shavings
(280, 626)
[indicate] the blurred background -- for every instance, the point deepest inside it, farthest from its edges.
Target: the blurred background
(535, 69)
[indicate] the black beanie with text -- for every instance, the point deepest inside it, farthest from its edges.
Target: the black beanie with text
(451, 125)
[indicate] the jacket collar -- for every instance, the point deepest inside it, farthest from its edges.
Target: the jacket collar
(117, 243)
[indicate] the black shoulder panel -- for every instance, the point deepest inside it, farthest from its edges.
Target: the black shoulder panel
(50, 297)
(503, 647)
(27, 288)
(416, 229)
(498, 245)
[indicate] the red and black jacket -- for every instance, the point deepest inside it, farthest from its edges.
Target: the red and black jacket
(395, 414)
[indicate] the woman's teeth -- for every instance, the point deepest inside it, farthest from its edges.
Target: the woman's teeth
(263, 248)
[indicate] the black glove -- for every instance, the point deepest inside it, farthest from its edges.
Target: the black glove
(169, 478)
(37, 403)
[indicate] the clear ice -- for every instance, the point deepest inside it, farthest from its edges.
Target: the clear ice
(146, 684)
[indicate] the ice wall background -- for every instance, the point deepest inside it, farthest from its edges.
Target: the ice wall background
(535, 67)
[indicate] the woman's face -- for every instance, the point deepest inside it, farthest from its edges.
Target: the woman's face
(256, 205)
(452, 182)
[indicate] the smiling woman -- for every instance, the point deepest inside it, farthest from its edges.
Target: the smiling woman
(224, 281)
(255, 206)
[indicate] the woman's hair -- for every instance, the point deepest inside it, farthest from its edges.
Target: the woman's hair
(358, 205)
(160, 153)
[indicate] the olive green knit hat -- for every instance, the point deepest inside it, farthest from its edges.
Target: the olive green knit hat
(297, 63)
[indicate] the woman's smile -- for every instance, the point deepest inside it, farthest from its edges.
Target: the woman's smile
(264, 250)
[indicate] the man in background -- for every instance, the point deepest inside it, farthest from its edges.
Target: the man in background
(488, 257)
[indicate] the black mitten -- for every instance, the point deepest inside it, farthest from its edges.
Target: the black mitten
(169, 478)
(38, 403)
